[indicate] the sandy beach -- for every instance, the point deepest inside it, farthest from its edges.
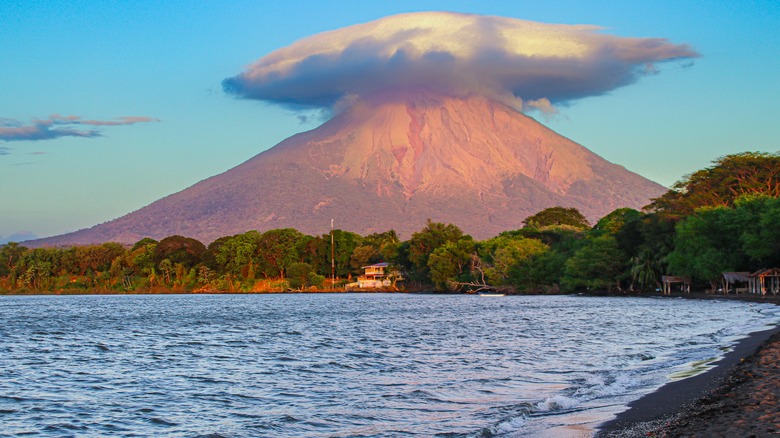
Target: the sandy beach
(737, 398)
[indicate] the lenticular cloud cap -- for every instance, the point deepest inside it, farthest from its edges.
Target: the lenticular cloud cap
(508, 59)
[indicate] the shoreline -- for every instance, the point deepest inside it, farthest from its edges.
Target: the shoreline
(695, 406)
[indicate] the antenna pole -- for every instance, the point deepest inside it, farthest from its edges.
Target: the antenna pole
(332, 258)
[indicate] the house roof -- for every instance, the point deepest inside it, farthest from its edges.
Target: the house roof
(768, 272)
(377, 265)
(736, 277)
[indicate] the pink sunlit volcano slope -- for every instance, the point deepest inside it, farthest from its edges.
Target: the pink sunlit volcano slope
(391, 163)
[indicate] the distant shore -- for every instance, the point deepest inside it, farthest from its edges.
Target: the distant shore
(192, 292)
(737, 397)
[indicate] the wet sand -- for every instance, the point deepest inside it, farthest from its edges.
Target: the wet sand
(739, 397)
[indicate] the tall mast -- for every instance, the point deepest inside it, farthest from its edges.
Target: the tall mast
(332, 258)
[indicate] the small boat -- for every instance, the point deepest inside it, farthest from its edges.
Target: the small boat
(491, 294)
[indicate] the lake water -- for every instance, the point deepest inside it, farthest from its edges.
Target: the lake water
(346, 365)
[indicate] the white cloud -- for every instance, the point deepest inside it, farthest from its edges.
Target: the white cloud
(457, 54)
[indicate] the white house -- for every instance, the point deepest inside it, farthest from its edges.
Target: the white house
(375, 276)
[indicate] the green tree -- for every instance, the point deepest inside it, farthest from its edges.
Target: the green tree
(386, 245)
(97, 258)
(707, 244)
(209, 258)
(316, 279)
(298, 274)
(205, 275)
(37, 266)
(448, 263)
(309, 248)
(363, 255)
(141, 258)
(597, 264)
(731, 176)
(36, 275)
(543, 272)
(345, 243)
(375, 248)
(510, 258)
(236, 255)
(167, 269)
(279, 249)
(116, 271)
(614, 222)
(401, 259)
(645, 269)
(557, 216)
(538, 273)
(423, 243)
(761, 234)
(69, 263)
(10, 255)
(657, 233)
(143, 243)
(179, 249)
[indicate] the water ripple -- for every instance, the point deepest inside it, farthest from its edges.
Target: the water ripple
(344, 365)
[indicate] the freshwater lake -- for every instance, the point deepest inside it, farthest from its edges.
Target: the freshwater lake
(346, 365)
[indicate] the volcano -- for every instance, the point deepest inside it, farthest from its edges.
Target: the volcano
(392, 163)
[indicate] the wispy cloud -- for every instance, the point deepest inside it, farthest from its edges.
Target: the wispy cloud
(523, 63)
(56, 126)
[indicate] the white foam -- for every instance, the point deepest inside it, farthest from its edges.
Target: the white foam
(556, 403)
(509, 425)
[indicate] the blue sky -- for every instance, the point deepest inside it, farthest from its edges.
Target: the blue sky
(100, 61)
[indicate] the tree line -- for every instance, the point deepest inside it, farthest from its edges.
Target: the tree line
(722, 218)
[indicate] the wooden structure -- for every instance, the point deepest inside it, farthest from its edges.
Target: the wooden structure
(669, 280)
(765, 280)
(377, 276)
(736, 282)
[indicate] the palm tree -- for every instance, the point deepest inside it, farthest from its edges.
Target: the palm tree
(645, 269)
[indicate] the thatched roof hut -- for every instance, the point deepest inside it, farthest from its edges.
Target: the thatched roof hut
(732, 280)
(765, 280)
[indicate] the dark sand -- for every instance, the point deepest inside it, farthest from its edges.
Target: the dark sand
(739, 397)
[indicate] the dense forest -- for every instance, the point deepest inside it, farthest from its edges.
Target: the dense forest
(722, 218)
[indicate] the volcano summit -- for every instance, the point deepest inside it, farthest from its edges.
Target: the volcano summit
(431, 126)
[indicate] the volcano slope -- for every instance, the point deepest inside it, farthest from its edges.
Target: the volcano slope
(391, 163)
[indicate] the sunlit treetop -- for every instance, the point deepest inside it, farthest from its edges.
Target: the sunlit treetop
(730, 177)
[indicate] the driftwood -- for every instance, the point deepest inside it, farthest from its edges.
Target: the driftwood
(482, 285)
(474, 288)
